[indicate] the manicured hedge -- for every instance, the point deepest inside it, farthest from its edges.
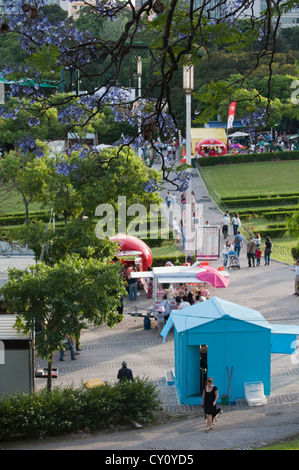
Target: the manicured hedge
(70, 409)
(261, 201)
(261, 196)
(247, 158)
(18, 218)
(273, 233)
(161, 260)
(274, 214)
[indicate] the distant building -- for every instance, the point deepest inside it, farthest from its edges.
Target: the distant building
(287, 20)
(75, 7)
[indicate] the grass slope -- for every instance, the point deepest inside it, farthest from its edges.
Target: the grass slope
(254, 178)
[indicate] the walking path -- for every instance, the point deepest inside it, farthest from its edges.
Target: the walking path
(268, 289)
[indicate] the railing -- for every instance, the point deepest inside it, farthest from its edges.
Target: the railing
(283, 254)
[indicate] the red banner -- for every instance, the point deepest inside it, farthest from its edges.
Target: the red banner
(231, 115)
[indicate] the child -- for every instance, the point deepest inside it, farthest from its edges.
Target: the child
(258, 254)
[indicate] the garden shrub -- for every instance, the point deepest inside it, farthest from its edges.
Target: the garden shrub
(69, 409)
(160, 261)
(295, 252)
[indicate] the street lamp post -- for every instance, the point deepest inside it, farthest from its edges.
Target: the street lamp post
(139, 74)
(188, 85)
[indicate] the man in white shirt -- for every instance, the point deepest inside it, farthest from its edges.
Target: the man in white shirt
(225, 225)
(185, 303)
(167, 307)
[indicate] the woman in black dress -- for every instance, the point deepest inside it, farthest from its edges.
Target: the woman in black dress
(209, 400)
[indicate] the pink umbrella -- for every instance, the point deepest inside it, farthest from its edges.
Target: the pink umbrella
(210, 268)
(215, 278)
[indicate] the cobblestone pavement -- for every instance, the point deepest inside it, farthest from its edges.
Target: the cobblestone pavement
(268, 289)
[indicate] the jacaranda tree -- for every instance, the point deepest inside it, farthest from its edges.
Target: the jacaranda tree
(177, 32)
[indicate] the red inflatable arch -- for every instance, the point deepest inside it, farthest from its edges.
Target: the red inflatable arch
(133, 246)
(210, 146)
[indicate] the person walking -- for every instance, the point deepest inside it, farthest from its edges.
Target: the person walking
(236, 223)
(267, 250)
(168, 199)
(296, 269)
(251, 249)
(68, 343)
(225, 225)
(160, 318)
(173, 199)
(238, 243)
(124, 373)
(133, 286)
(258, 254)
(167, 307)
(183, 238)
(257, 239)
(208, 402)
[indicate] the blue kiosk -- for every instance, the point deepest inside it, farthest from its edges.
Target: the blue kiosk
(234, 338)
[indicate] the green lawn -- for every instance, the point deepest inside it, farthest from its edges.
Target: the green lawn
(169, 248)
(11, 201)
(253, 178)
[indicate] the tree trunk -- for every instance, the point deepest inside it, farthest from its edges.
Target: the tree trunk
(26, 212)
(49, 379)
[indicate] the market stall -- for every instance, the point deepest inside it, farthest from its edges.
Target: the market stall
(179, 281)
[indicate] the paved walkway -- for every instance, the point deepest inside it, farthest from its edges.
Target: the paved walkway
(268, 289)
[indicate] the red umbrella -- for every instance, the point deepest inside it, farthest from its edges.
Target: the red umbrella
(213, 277)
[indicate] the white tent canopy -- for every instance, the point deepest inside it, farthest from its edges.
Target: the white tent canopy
(103, 146)
(173, 275)
(238, 134)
